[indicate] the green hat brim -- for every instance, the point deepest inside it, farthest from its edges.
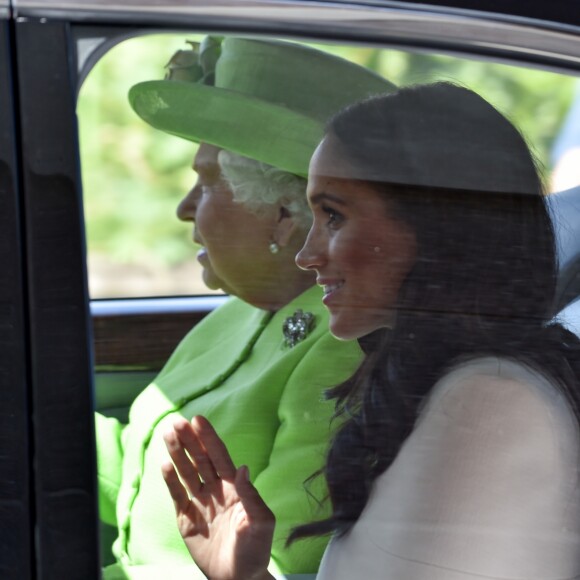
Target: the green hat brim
(227, 119)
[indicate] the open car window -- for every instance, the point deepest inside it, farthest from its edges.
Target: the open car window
(134, 176)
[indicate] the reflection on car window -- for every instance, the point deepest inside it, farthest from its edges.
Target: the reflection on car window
(423, 244)
(134, 177)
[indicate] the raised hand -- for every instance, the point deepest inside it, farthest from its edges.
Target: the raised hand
(223, 521)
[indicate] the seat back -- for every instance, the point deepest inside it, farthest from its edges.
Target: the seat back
(565, 210)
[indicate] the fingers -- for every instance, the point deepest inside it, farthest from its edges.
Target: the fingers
(216, 450)
(256, 510)
(197, 452)
(183, 463)
(178, 492)
(191, 439)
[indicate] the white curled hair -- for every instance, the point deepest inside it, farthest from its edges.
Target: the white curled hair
(258, 186)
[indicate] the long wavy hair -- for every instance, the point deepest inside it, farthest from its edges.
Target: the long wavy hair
(459, 173)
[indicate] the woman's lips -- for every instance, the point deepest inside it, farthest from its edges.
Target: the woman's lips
(202, 255)
(202, 252)
(330, 288)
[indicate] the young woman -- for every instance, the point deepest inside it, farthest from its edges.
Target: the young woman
(457, 453)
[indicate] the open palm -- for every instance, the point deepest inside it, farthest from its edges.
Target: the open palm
(224, 523)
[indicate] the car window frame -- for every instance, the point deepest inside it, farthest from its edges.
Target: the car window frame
(60, 392)
(16, 546)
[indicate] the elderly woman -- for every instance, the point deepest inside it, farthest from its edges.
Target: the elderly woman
(258, 365)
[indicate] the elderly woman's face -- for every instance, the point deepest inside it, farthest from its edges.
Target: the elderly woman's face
(235, 242)
(361, 253)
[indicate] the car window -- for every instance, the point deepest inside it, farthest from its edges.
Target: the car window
(134, 176)
(133, 179)
(142, 242)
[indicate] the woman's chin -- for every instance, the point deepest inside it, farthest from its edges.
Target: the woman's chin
(353, 327)
(211, 280)
(343, 329)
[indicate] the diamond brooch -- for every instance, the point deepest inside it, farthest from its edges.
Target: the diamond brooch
(297, 327)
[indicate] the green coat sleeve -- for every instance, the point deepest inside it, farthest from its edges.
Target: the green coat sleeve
(109, 465)
(299, 450)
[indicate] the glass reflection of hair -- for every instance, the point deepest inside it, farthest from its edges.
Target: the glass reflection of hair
(483, 284)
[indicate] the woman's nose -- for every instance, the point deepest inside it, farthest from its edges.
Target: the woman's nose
(187, 207)
(310, 257)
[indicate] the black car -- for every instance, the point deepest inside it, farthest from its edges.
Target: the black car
(85, 326)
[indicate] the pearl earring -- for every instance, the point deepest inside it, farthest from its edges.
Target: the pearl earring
(274, 248)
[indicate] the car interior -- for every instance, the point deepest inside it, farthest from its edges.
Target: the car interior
(566, 215)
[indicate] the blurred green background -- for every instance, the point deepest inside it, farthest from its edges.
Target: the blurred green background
(134, 176)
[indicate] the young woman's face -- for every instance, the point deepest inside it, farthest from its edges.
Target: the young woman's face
(361, 253)
(234, 252)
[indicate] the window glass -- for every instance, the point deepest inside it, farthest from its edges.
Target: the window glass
(391, 286)
(133, 179)
(135, 176)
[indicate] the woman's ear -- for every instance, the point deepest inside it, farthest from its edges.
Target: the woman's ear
(285, 227)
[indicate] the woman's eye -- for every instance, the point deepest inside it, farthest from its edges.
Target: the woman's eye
(334, 217)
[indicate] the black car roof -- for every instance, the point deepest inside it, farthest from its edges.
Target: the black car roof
(543, 12)
(556, 11)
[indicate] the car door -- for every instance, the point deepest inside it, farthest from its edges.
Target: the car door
(59, 391)
(16, 537)
(43, 191)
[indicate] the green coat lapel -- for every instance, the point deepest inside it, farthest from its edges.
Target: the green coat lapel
(199, 365)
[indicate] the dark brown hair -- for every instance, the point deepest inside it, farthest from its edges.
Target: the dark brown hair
(483, 283)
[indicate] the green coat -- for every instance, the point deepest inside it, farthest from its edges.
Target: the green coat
(265, 400)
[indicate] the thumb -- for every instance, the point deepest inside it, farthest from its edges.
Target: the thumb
(254, 505)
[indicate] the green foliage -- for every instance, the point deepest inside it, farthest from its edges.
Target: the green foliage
(133, 176)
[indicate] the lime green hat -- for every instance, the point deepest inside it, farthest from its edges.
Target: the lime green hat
(264, 99)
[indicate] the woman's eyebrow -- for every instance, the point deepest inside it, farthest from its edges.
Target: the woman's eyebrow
(318, 197)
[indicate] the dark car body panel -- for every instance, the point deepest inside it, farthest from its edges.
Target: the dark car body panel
(16, 548)
(59, 333)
